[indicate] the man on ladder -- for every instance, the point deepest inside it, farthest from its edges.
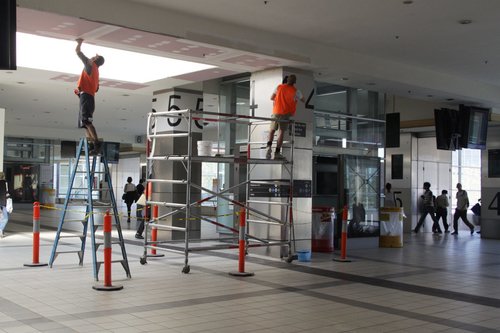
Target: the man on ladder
(88, 85)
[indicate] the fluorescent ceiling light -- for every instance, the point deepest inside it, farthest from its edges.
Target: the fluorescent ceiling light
(59, 55)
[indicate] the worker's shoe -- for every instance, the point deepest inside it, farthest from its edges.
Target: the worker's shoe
(278, 156)
(268, 153)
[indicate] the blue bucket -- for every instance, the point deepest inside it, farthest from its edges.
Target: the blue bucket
(304, 255)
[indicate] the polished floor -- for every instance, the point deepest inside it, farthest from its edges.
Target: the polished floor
(434, 283)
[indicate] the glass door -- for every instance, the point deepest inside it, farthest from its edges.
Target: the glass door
(361, 184)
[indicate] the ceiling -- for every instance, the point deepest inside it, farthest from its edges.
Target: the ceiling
(417, 49)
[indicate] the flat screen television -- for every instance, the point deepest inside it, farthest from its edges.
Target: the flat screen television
(111, 151)
(447, 133)
(68, 149)
(8, 27)
(465, 128)
(326, 183)
(475, 128)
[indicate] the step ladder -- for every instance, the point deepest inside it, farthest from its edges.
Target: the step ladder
(88, 219)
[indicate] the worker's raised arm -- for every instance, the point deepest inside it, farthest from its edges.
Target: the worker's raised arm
(79, 45)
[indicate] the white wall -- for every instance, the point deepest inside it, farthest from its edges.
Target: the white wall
(2, 135)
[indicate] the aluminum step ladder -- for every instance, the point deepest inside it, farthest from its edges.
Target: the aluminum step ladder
(88, 219)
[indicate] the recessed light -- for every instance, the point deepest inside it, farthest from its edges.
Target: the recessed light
(465, 21)
(407, 2)
(430, 96)
(20, 82)
(344, 78)
(125, 95)
(123, 119)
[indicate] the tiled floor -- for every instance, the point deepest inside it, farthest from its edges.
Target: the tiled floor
(433, 284)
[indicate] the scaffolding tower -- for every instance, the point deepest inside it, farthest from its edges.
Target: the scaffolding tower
(253, 207)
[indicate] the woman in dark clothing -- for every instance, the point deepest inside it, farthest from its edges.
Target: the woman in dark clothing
(129, 196)
(139, 210)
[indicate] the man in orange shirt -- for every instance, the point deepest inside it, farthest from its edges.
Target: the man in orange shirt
(285, 99)
(88, 85)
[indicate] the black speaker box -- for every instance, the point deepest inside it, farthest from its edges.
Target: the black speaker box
(392, 127)
(8, 35)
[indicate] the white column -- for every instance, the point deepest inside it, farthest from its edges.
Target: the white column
(262, 85)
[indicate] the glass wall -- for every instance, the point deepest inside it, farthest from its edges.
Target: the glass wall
(466, 169)
(348, 117)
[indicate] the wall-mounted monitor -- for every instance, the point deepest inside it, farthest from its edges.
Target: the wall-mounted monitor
(8, 26)
(111, 151)
(447, 133)
(392, 129)
(68, 149)
(475, 130)
(466, 128)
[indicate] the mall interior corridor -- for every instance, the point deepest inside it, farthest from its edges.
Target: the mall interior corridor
(435, 283)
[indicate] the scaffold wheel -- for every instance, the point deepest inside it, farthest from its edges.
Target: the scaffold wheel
(186, 269)
(143, 261)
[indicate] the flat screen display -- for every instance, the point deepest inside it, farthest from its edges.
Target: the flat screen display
(477, 128)
(447, 133)
(68, 149)
(326, 183)
(111, 151)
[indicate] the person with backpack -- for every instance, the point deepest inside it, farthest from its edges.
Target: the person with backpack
(129, 196)
(442, 204)
(428, 208)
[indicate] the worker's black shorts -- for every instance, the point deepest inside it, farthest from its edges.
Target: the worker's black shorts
(87, 106)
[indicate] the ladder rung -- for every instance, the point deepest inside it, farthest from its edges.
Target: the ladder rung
(166, 227)
(72, 236)
(167, 204)
(112, 261)
(270, 182)
(264, 222)
(112, 242)
(64, 252)
(168, 113)
(168, 135)
(168, 158)
(269, 202)
(170, 181)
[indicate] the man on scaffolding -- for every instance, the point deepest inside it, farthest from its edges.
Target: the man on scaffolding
(88, 85)
(285, 99)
